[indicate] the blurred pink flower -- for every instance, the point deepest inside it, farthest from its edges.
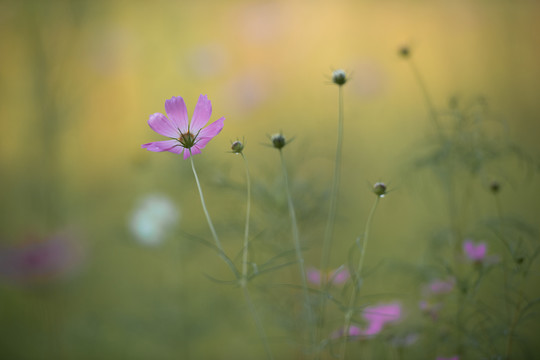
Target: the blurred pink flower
(450, 358)
(377, 317)
(39, 259)
(475, 252)
(439, 287)
(336, 277)
(380, 315)
(353, 331)
(185, 137)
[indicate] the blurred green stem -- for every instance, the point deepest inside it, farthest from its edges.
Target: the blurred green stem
(244, 280)
(327, 240)
(357, 279)
(427, 97)
(298, 251)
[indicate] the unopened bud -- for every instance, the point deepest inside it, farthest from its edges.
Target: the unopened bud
(404, 51)
(237, 147)
(339, 77)
(494, 187)
(379, 189)
(278, 141)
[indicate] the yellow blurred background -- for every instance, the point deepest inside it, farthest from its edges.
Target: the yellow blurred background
(79, 79)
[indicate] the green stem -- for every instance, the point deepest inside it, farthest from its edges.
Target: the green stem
(327, 240)
(356, 278)
(427, 97)
(246, 229)
(244, 281)
(221, 252)
(298, 251)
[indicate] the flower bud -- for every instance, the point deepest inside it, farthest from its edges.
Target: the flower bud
(278, 141)
(404, 52)
(237, 147)
(494, 187)
(339, 77)
(379, 189)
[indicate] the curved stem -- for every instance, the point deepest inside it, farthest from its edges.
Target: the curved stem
(221, 252)
(356, 278)
(298, 251)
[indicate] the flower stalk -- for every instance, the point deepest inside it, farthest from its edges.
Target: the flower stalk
(298, 251)
(245, 250)
(357, 279)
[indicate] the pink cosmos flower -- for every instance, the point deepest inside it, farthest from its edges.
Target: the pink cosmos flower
(186, 137)
(377, 317)
(336, 277)
(380, 315)
(450, 358)
(475, 252)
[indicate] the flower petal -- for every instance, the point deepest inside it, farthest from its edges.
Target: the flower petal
(163, 126)
(177, 112)
(159, 146)
(213, 129)
(201, 114)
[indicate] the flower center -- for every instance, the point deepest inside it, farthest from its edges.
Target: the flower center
(187, 140)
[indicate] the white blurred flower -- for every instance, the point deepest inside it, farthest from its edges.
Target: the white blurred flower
(154, 216)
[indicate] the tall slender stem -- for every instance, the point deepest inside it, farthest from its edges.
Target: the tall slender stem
(244, 281)
(357, 278)
(246, 229)
(327, 240)
(211, 225)
(298, 251)
(427, 97)
(208, 219)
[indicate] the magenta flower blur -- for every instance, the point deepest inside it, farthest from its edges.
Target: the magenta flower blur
(336, 277)
(475, 252)
(440, 287)
(450, 358)
(37, 259)
(380, 315)
(376, 317)
(186, 137)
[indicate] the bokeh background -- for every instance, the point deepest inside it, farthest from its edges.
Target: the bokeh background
(78, 80)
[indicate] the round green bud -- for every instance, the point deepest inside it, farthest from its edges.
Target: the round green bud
(339, 77)
(404, 51)
(494, 187)
(379, 189)
(237, 147)
(278, 141)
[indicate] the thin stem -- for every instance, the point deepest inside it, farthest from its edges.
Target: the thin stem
(327, 240)
(258, 323)
(356, 281)
(246, 229)
(244, 281)
(298, 251)
(335, 190)
(221, 252)
(427, 97)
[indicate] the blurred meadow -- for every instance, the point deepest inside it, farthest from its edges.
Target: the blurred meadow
(104, 246)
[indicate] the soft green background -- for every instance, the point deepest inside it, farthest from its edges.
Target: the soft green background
(78, 80)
